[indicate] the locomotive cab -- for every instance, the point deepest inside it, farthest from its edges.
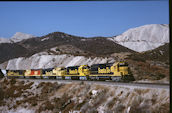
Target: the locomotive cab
(120, 69)
(121, 72)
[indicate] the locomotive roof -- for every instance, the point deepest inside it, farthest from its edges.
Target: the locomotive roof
(106, 64)
(73, 67)
(15, 70)
(48, 69)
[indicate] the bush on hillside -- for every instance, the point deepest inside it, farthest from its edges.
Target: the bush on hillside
(1, 74)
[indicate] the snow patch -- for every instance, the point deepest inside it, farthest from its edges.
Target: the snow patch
(45, 39)
(20, 36)
(94, 92)
(83, 39)
(53, 49)
(22, 110)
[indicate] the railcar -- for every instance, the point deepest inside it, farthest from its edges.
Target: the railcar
(33, 73)
(100, 72)
(48, 73)
(60, 72)
(15, 73)
(121, 71)
(77, 72)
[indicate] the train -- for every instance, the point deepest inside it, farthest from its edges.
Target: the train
(118, 71)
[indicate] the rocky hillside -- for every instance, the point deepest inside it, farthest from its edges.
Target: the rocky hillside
(11, 50)
(144, 38)
(45, 60)
(54, 97)
(160, 54)
(151, 65)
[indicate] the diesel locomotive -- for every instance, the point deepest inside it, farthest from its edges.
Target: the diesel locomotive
(118, 71)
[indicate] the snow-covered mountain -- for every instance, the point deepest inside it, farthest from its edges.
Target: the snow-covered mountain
(17, 37)
(144, 38)
(20, 36)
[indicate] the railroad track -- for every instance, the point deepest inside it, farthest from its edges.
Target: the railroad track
(110, 83)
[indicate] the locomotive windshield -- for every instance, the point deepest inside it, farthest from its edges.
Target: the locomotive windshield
(62, 69)
(86, 67)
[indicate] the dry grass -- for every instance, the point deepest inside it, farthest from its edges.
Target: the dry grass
(100, 98)
(119, 108)
(141, 91)
(112, 102)
(162, 108)
(54, 97)
(15, 90)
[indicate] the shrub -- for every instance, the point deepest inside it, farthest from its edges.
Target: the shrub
(1, 74)
(1, 96)
(12, 81)
(137, 57)
(57, 49)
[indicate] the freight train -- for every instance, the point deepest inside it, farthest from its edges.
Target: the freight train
(118, 71)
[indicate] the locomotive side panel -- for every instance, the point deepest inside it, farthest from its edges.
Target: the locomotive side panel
(15, 73)
(33, 73)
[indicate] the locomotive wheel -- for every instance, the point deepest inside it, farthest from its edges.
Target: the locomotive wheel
(116, 79)
(83, 78)
(97, 78)
(67, 77)
(59, 77)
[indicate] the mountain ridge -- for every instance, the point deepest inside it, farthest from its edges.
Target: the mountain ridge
(97, 47)
(17, 37)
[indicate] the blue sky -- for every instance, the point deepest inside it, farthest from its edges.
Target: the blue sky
(81, 18)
